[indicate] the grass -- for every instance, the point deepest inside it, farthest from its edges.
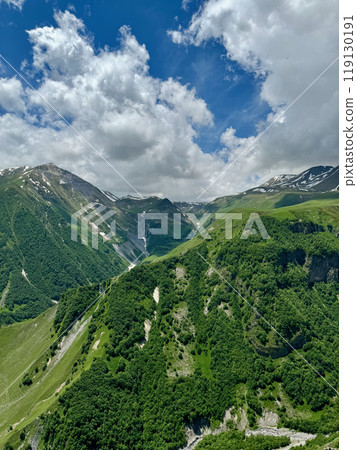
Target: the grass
(183, 248)
(20, 346)
(204, 362)
(323, 211)
(267, 201)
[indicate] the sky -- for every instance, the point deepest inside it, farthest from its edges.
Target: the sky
(182, 99)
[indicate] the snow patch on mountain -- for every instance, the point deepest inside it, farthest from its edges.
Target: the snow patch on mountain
(319, 178)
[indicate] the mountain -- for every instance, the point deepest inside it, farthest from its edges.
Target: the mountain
(192, 350)
(39, 259)
(317, 183)
(316, 179)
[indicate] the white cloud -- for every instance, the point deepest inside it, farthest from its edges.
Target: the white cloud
(14, 3)
(11, 94)
(229, 139)
(63, 51)
(185, 4)
(286, 44)
(145, 127)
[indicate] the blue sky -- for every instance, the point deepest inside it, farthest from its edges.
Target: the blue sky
(178, 105)
(231, 93)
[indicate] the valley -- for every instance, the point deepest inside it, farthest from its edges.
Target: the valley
(39, 257)
(170, 356)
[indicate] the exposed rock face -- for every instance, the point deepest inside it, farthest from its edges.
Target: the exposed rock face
(269, 419)
(322, 268)
(305, 227)
(297, 257)
(279, 351)
(195, 432)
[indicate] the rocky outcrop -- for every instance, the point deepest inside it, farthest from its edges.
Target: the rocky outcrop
(322, 268)
(305, 227)
(279, 351)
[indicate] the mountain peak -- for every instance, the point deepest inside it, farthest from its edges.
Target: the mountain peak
(49, 167)
(317, 178)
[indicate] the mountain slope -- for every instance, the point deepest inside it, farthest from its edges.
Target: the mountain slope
(39, 384)
(316, 183)
(39, 259)
(182, 351)
(318, 179)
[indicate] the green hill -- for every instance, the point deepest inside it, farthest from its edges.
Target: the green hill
(200, 339)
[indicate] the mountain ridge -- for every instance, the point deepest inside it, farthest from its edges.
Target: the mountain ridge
(316, 178)
(36, 206)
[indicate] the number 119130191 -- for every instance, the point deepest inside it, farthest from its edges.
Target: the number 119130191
(348, 48)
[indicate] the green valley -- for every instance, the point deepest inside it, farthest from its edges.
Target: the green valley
(205, 347)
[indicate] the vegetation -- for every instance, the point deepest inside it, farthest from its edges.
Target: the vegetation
(233, 440)
(206, 342)
(142, 370)
(39, 261)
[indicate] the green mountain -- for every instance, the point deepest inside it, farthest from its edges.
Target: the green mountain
(38, 258)
(225, 338)
(316, 183)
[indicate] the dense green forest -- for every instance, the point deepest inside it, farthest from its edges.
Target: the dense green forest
(39, 261)
(233, 440)
(208, 349)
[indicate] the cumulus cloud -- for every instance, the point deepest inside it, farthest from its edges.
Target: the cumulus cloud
(11, 94)
(148, 128)
(286, 44)
(145, 127)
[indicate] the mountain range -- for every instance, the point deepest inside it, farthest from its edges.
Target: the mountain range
(40, 261)
(317, 179)
(206, 344)
(319, 182)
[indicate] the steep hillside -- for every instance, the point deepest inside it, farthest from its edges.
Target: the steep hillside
(34, 372)
(202, 340)
(39, 259)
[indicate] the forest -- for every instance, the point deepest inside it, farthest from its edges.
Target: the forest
(39, 261)
(209, 349)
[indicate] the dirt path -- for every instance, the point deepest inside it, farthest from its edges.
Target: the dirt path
(3, 297)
